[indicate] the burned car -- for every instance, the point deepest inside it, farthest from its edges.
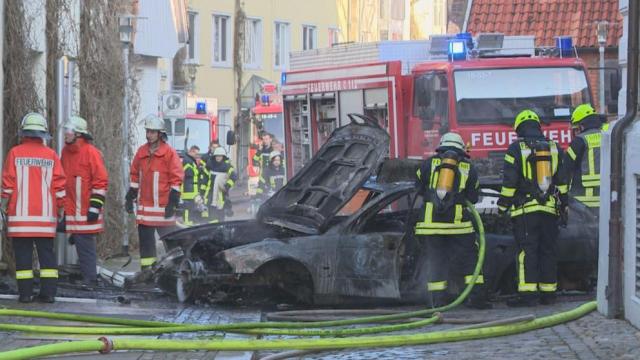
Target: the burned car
(331, 235)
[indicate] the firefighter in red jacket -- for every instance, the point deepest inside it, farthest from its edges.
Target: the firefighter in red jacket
(156, 177)
(86, 189)
(33, 195)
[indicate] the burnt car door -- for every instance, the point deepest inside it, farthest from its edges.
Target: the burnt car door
(369, 251)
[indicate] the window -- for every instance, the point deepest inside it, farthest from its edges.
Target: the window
(252, 43)
(309, 37)
(430, 100)
(334, 36)
(282, 45)
(496, 95)
(384, 35)
(221, 40)
(193, 40)
(382, 9)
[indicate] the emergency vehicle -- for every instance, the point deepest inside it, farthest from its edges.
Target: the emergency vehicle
(419, 90)
(198, 126)
(266, 116)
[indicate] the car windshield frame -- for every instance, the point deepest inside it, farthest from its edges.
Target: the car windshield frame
(490, 96)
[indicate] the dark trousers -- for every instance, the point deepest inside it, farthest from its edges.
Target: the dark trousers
(537, 260)
(215, 214)
(86, 248)
(449, 256)
(191, 215)
(147, 236)
(23, 250)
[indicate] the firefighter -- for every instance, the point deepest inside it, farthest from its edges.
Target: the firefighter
(190, 192)
(86, 189)
(582, 160)
(212, 147)
(535, 194)
(446, 181)
(33, 192)
(156, 177)
(261, 158)
(222, 179)
(273, 177)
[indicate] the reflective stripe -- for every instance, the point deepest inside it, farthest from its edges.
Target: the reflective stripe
(563, 189)
(61, 194)
(589, 201)
(24, 274)
(548, 287)
(507, 192)
(510, 159)
(160, 219)
(464, 169)
(176, 188)
(522, 284)
(157, 209)
(99, 192)
(418, 174)
(7, 191)
(78, 196)
(147, 261)
(457, 219)
(33, 229)
(156, 185)
(47, 219)
(437, 285)
(452, 231)
(479, 279)
(530, 209)
(88, 227)
(134, 185)
(571, 154)
(49, 273)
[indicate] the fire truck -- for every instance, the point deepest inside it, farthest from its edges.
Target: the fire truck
(419, 90)
(266, 117)
(195, 124)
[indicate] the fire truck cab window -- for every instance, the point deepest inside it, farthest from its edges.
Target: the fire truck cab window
(498, 95)
(182, 134)
(430, 99)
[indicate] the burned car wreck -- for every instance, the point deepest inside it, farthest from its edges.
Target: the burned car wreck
(332, 235)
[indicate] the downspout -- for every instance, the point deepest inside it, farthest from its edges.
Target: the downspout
(614, 292)
(466, 15)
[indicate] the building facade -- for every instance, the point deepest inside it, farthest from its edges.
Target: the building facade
(272, 29)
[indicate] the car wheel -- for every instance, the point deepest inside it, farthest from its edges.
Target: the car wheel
(185, 282)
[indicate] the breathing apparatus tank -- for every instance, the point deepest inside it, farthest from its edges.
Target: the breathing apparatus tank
(544, 176)
(446, 174)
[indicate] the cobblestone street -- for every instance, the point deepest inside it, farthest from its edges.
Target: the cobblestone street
(591, 337)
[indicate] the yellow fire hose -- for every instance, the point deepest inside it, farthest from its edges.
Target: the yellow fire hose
(142, 327)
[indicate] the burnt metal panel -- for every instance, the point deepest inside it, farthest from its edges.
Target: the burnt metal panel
(313, 196)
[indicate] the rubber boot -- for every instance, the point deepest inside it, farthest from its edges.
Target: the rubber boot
(25, 290)
(46, 299)
(547, 298)
(524, 300)
(479, 299)
(439, 298)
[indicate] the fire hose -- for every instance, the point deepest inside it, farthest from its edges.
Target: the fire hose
(337, 340)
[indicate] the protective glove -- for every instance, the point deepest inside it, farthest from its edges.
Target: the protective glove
(132, 195)
(96, 201)
(174, 200)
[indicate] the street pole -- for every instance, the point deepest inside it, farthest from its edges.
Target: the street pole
(1, 100)
(125, 135)
(602, 41)
(125, 29)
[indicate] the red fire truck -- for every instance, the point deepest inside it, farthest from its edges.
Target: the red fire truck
(199, 126)
(417, 99)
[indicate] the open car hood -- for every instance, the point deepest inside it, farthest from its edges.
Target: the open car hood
(328, 181)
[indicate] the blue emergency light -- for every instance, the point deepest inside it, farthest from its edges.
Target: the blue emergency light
(201, 107)
(283, 78)
(265, 99)
(457, 50)
(565, 45)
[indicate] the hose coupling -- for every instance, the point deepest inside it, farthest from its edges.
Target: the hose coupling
(108, 345)
(439, 316)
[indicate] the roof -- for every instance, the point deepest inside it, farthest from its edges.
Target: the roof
(547, 19)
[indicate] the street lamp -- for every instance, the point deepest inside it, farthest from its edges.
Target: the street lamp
(125, 29)
(601, 32)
